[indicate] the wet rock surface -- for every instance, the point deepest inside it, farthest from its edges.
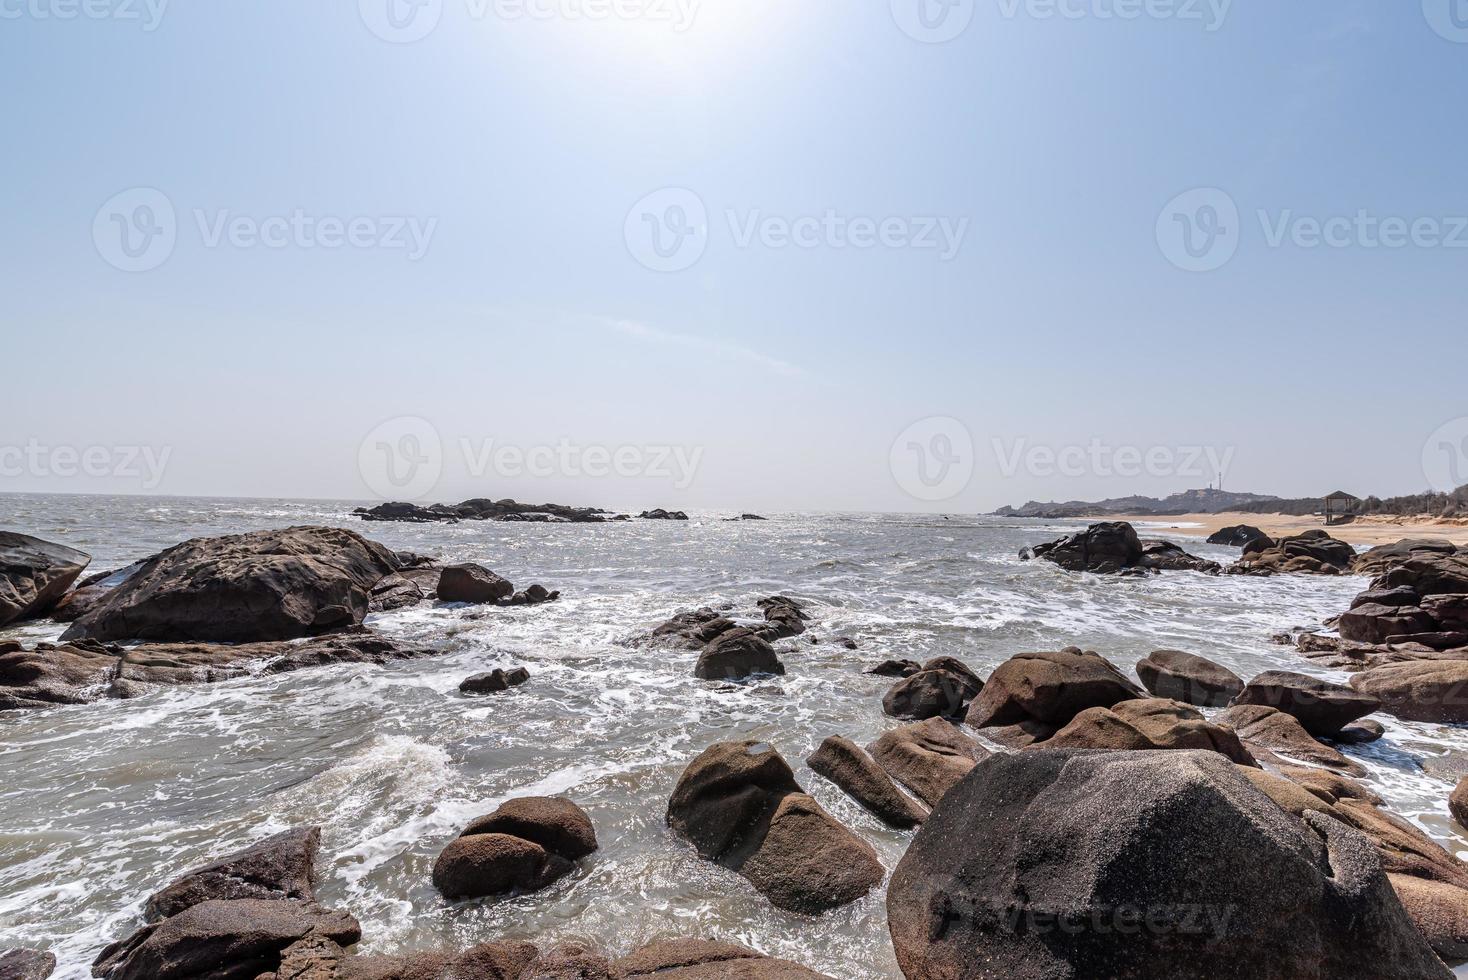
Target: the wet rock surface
(34, 575)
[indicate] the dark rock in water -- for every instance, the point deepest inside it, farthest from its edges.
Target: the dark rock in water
(896, 668)
(473, 584)
(1049, 687)
(396, 591)
(265, 585)
(533, 596)
(26, 964)
(749, 517)
(1321, 707)
(844, 763)
(737, 654)
(1419, 690)
(86, 671)
(556, 824)
(928, 757)
(1269, 733)
(234, 940)
(1103, 548)
(699, 959)
(942, 689)
(495, 681)
(1402, 595)
(785, 615)
(1149, 723)
(279, 867)
(89, 592)
(1361, 732)
(523, 846)
(1383, 558)
(1189, 678)
(1165, 865)
(481, 509)
(663, 515)
(690, 630)
(1237, 536)
(1312, 553)
(1168, 557)
(34, 575)
(739, 804)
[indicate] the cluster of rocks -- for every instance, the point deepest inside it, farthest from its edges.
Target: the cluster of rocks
(1405, 639)
(254, 915)
(480, 509)
(1312, 552)
(663, 515)
(1114, 548)
(728, 649)
(211, 609)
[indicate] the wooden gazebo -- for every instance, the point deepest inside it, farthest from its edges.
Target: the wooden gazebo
(1340, 508)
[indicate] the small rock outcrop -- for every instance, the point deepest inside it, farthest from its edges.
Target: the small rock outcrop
(481, 509)
(243, 588)
(523, 846)
(1050, 688)
(663, 515)
(928, 757)
(1103, 548)
(1189, 678)
(279, 867)
(737, 654)
(1419, 690)
(943, 688)
(1149, 723)
(844, 763)
(1313, 552)
(738, 803)
(473, 584)
(1238, 536)
(1166, 865)
(34, 575)
(495, 681)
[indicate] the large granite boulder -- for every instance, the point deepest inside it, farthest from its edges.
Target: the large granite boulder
(1383, 558)
(1429, 574)
(1271, 735)
(1439, 911)
(264, 585)
(1049, 687)
(473, 584)
(844, 763)
(1375, 623)
(1237, 536)
(279, 867)
(942, 689)
(222, 940)
(26, 964)
(1103, 548)
(1419, 690)
(1321, 707)
(928, 757)
(737, 654)
(1164, 865)
(34, 575)
(1189, 678)
(523, 846)
(738, 803)
(700, 959)
(1148, 723)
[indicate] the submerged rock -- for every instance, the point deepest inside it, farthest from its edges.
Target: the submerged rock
(523, 846)
(1164, 865)
(495, 681)
(264, 585)
(738, 803)
(34, 575)
(473, 584)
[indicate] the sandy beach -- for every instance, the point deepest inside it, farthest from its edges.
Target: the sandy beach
(1368, 532)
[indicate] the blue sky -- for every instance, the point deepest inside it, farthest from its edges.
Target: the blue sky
(1048, 144)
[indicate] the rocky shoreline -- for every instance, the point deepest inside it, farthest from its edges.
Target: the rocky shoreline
(1026, 790)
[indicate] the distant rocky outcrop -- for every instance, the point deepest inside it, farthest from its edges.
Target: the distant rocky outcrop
(1085, 864)
(480, 509)
(496, 681)
(738, 803)
(1209, 501)
(1114, 548)
(663, 515)
(1312, 552)
(34, 575)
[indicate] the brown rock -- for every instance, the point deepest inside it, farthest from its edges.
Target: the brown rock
(495, 864)
(1188, 678)
(942, 689)
(928, 757)
(1458, 802)
(279, 867)
(26, 964)
(737, 654)
(473, 584)
(1321, 707)
(34, 575)
(570, 961)
(844, 763)
(1049, 687)
(1148, 723)
(697, 959)
(558, 825)
(495, 681)
(1419, 690)
(1268, 733)
(1440, 913)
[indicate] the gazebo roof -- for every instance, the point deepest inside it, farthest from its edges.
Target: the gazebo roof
(1342, 495)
